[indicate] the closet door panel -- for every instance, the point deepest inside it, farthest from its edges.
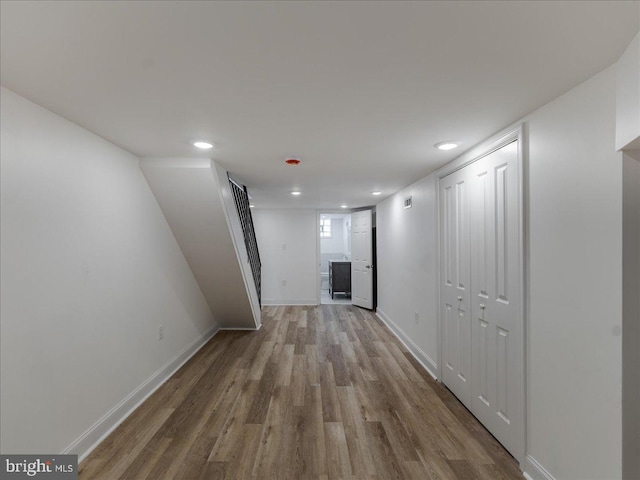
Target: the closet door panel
(495, 296)
(455, 284)
(483, 285)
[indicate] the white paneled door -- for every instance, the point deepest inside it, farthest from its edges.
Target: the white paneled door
(482, 327)
(456, 279)
(361, 260)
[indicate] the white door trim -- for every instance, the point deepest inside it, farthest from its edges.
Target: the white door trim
(481, 150)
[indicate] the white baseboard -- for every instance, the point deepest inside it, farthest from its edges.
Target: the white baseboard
(90, 439)
(241, 329)
(424, 360)
(283, 303)
(534, 471)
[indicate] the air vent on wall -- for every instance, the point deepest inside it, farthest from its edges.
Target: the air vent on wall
(407, 202)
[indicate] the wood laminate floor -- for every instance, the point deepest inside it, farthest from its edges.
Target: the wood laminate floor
(320, 393)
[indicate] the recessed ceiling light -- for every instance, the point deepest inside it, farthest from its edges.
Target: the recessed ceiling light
(203, 145)
(251, 205)
(344, 206)
(376, 193)
(296, 193)
(448, 145)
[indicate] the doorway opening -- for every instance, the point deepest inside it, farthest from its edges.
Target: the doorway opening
(335, 258)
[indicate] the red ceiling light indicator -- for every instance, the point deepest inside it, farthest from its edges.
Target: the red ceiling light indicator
(292, 161)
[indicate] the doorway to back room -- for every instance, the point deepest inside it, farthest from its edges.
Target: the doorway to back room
(335, 258)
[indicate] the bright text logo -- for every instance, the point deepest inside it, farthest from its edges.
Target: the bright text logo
(51, 467)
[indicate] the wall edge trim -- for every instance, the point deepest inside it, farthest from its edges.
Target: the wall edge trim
(427, 363)
(241, 329)
(534, 471)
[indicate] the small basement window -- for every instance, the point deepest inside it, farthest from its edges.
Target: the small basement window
(325, 228)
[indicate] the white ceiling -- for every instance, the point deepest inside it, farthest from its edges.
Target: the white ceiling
(359, 90)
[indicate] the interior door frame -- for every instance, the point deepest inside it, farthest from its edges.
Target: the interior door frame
(319, 213)
(372, 267)
(481, 150)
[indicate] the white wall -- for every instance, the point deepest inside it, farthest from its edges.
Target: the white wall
(628, 136)
(287, 240)
(346, 235)
(631, 315)
(335, 244)
(574, 334)
(575, 281)
(89, 271)
(628, 93)
(407, 267)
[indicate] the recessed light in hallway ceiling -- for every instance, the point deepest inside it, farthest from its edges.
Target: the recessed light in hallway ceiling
(203, 145)
(296, 193)
(448, 145)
